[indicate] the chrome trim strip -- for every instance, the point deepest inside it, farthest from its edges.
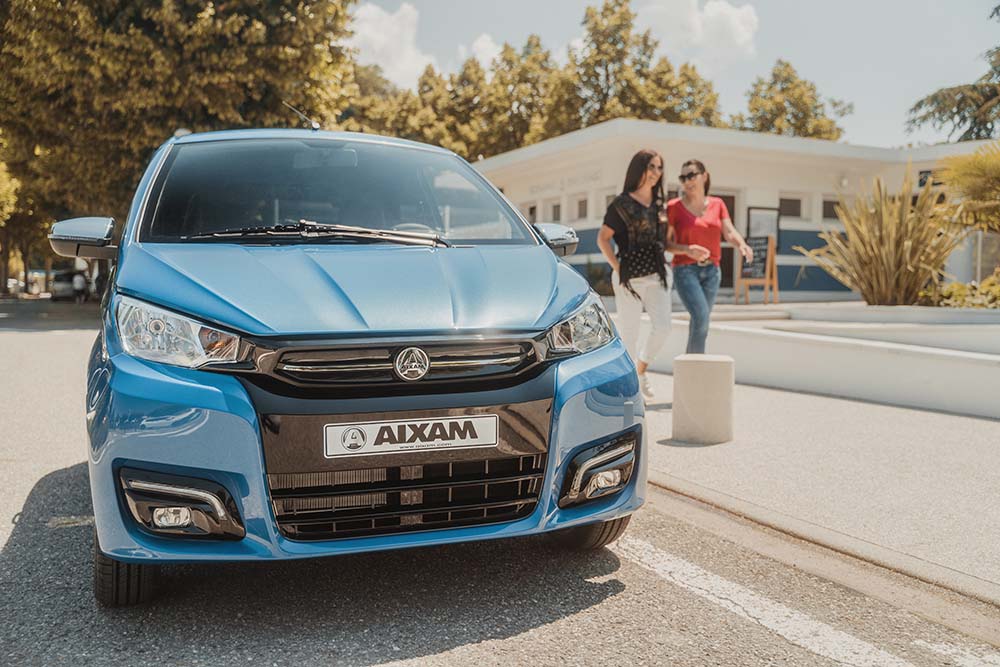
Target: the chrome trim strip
(343, 368)
(460, 363)
(596, 461)
(182, 491)
(296, 368)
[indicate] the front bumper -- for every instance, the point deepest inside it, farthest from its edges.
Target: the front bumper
(205, 425)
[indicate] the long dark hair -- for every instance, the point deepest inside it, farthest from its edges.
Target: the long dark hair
(700, 166)
(637, 169)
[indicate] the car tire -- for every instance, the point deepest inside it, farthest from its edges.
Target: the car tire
(592, 536)
(120, 584)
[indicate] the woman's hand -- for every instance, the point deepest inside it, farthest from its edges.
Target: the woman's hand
(698, 253)
(747, 252)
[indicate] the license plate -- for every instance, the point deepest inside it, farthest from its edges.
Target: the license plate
(408, 435)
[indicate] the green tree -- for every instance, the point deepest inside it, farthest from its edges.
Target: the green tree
(562, 106)
(431, 117)
(971, 110)
(467, 110)
(613, 63)
(789, 105)
(379, 107)
(91, 88)
(8, 202)
(517, 94)
(681, 96)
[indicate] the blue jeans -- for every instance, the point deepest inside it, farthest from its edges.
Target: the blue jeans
(697, 287)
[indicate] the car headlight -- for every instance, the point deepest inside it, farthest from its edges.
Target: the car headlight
(587, 329)
(152, 333)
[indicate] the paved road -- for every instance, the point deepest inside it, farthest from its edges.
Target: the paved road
(672, 592)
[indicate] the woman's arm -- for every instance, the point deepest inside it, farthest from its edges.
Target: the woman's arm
(604, 236)
(730, 234)
(696, 252)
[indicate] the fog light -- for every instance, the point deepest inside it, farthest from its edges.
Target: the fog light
(604, 480)
(171, 517)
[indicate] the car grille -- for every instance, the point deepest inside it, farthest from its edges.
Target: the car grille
(381, 501)
(367, 365)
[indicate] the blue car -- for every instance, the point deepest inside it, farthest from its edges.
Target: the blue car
(318, 343)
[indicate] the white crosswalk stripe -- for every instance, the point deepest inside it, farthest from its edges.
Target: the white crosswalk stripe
(962, 657)
(794, 626)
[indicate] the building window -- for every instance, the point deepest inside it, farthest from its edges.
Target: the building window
(608, 199)
(532, 214)
(790, 207)
(829, 210)
(581, 209)
(672, 194)
(556, 212)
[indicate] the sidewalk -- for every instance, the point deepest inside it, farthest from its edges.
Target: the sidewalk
(914, 491)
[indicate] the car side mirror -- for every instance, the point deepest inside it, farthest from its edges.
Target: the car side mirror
(562, 239)
(90, 238)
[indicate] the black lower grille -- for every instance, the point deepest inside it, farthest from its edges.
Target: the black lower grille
(381, 501)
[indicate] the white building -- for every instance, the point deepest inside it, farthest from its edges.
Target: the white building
(570, 179)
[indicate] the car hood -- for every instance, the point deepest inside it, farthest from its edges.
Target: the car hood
(342, 289)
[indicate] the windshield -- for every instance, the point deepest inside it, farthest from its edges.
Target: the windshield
(220, 186)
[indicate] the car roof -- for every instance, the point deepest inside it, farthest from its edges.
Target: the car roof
(284, 133)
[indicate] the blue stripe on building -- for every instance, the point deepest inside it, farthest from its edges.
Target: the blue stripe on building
(588, 241)
(807, 278)
(788, 239)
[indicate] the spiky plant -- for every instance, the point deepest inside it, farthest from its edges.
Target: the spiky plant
(974, 180)
(891, 248)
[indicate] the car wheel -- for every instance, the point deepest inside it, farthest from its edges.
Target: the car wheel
(592, 536)
(120, 584)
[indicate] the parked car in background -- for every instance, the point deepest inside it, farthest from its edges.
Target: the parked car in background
(323, 343)
(62, 285)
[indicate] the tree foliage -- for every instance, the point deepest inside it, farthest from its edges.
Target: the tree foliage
(91, 88)
(523, 96)
(8, 192)
(974, 180)
(790, 105)
(971, 110)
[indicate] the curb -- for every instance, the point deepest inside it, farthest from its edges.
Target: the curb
(896, 561)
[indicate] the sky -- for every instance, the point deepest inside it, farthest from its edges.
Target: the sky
(880, 55)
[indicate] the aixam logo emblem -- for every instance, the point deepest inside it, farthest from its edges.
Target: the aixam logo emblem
(353, 438)
(412, 364)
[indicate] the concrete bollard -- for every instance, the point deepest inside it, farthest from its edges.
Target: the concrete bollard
(703, 398)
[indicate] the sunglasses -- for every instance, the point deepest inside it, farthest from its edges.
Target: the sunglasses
(683, 178)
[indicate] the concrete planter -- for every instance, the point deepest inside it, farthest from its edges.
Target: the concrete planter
(893, 314)
(898, 374)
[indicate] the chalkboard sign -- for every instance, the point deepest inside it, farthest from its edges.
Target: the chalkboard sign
(758, 267)
(761, 272)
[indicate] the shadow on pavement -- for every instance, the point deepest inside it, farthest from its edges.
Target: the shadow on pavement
(46, 315)
(351, 609)
(670, 442)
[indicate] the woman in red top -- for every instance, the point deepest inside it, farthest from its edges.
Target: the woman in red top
(698, 223)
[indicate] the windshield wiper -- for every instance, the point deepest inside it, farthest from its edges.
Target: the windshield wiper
(323, 228)
(313, 229)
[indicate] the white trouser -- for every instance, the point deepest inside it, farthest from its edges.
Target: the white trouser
(656, 298)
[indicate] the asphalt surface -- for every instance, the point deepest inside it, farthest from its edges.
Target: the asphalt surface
(914, 482)
(670, 592)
